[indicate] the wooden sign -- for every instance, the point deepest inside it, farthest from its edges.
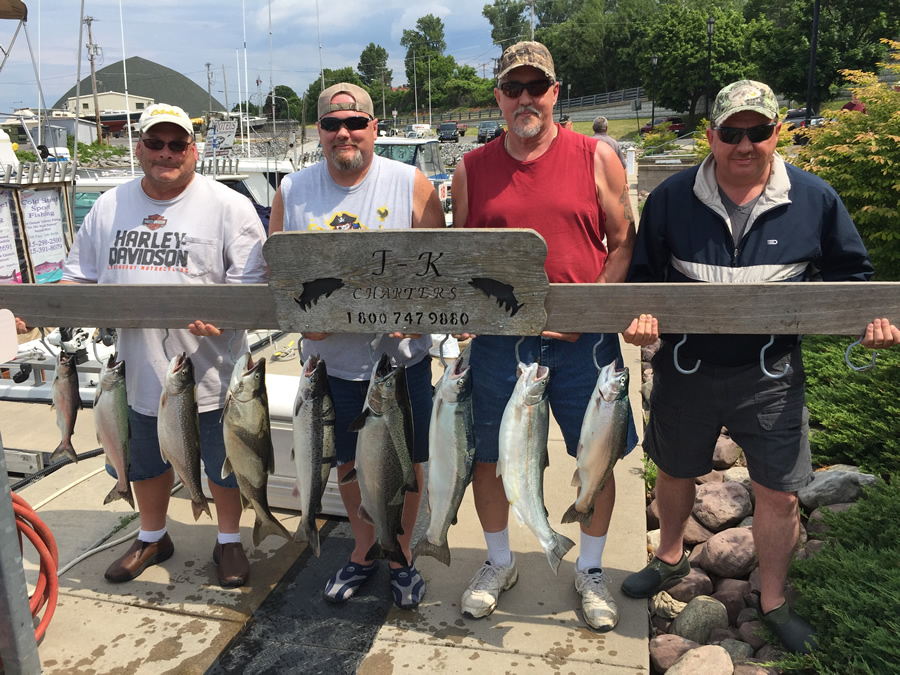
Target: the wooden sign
(409, 281)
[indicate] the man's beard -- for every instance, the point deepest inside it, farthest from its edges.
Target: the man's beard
(347, 163)
(527, 129)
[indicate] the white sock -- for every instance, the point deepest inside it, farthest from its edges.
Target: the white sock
(151, 536)
(229, 538)
(590, 552)
(498, 547)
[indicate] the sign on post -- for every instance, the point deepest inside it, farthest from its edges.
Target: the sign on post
(489, 281)
(44, 233)
(10, 269)
(219, 139)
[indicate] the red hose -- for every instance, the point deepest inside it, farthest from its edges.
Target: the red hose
(46, 591)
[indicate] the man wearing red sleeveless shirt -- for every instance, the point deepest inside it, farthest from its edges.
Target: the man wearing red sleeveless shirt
(572, 190)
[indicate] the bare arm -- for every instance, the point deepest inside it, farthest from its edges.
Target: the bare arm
(612, 194)
(459, 195)
(427, 209)
(276, 216)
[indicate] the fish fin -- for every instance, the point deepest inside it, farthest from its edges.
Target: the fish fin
(162, 399)
(364, 515)
(307, 532)
(350, 477)
(64, 449)
(114, 494)
(455, 520)
(519, 518)
(245, 503)
(439, 551)
(376, 552)
(200, 506)
(270, 469)
(226, 468)
(576, 479)
(263, 528)
(359, 422)
(296, 491)
(545, 459)
(292, 453)
(556, 554)
(573, 515)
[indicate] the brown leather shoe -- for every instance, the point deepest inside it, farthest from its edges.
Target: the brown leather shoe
(234, 568)
(139, 557)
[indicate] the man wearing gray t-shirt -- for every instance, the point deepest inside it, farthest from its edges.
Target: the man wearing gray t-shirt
(355, 189)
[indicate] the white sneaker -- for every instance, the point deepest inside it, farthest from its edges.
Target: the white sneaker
(600, 610)
(480, 598)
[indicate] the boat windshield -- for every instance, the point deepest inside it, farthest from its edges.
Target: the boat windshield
(426, 157)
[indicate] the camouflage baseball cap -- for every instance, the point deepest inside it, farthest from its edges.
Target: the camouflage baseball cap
(526, 54)
(744, 95)
(363, 102)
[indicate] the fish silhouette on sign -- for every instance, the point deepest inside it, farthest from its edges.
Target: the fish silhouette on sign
(316, 289)
(502, 293)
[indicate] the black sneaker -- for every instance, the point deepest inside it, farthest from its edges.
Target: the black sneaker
(795, 632)
(655, 577)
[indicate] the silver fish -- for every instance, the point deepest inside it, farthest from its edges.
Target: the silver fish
(313, 451)
(384, 463)
(604, 436)
(113, 429)
(178, 429)
(451, 455)
(66, 399)
(524, 429)
(248, 443)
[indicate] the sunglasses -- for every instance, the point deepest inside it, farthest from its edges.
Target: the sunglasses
(733, 136)
(535, 88)
(155, 144)
(357, 123)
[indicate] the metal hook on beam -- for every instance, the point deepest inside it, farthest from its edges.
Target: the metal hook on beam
(678, 365)
(859, 369)
(441, 350)
(165, 337)
(520, 341)
(599, 342)
(230, 341)
(762, 361)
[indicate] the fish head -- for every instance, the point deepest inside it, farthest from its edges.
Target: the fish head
(65, 365)
(459, 376)
(385, 386)
(113, 374)
(314, 378)
(251, 383)
(532, 382)
(180, 374)
(613, 383)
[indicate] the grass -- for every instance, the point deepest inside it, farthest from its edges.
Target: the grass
(621, 130)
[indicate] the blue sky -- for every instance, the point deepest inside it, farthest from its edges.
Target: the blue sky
(186, 34)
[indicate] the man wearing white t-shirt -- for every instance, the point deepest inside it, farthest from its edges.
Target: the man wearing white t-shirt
(173, 226)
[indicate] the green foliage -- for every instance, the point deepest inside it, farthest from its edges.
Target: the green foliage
(373, 68)
(850, 590)
(854, 417)
(92, 152)
(650, 471)
(26, 156)
(508, 20)
(859, 156)
(286, 103)
(660, 140)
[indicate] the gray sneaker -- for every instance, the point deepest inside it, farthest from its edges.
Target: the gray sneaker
(480, 598)
(655, 577)
(600, 610)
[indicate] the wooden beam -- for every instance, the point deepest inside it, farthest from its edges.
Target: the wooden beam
(842, 308)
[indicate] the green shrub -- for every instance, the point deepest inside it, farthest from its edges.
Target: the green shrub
(26, 156)
(853, 416)
(660, 140)
(90, 152)
(850, 591)
(649, 473)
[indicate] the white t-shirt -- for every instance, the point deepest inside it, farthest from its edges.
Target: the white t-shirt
(209, 234)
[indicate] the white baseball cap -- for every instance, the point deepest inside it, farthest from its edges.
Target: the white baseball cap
(163, 112)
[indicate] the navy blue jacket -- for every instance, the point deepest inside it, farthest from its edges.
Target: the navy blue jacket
(799, 230)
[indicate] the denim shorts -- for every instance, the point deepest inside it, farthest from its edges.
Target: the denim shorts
(572, 381)
(766, 417)
(147, 462)
(349, 397)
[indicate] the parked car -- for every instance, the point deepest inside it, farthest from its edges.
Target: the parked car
(386, 128)
(489, 130)
(448, 132)
(795, 119)
(675, 124)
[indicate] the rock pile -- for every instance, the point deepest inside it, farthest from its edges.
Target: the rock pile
(706, 622)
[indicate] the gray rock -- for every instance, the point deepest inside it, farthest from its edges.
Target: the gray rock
(695, 533)
(733, 585)
(746, 522)
(646, 390)
(717, 635)
(730, 554)
(653, 541)
(810, 549)
(844, 467)
(733, 601)
(745, 615)
(834, 487)
(694, 584)
(755, 582)
(665, 650)
(726, 453)
(769, 653)
(707, 660)
(661, 624)
(816, 524)
(649, 351)
(699, 617)
(720, 505)
(711, 477)
(750, 668)
(646, 373)
(749, 630)
(737, 650)
(740, 474)
(694, 557)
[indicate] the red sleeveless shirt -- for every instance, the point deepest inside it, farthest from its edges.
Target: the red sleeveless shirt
(554, 195)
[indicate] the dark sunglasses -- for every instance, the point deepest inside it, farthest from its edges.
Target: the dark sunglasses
(357, 123)
(155, 144)
(733, 136)
(535, 88)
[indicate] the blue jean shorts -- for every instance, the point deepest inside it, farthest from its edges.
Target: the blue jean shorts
(349, 397)
(572, 381)
(147, 462)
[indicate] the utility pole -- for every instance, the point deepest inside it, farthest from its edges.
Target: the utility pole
(93, 50)
(209, 79)
(382, 95)
(225, 84)
(532, 20)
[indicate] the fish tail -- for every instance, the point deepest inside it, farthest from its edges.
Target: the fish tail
(125, 494)
(64, 449)
(263, 528)
(439, 551)
(308, 532)
(555, 555)
(573, 515)
(199, 506)
(394, 555)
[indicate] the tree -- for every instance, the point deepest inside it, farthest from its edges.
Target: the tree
(849, 35)
(508, 21)
(285, 98)
(372, 66)
(858, 155)
(423, 45)
(551, 12)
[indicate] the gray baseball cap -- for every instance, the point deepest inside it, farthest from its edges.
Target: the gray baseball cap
(361, 99)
